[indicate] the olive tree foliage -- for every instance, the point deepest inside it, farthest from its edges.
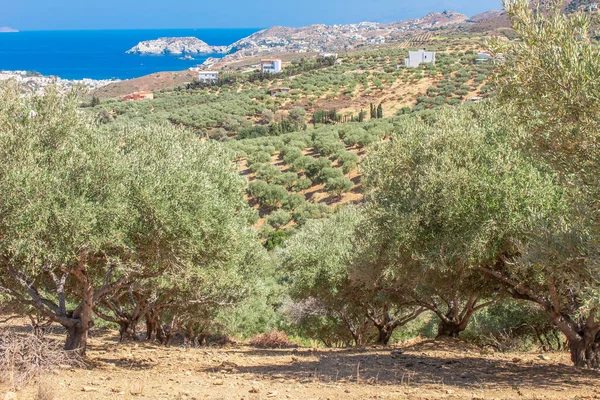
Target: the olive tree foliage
(319, 261)
(445, 198)
(550, 75)
(549, 78)
(86, 212)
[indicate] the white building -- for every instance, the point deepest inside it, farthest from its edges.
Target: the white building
(270, 66)
(208, 76)
(329, 55)
(416, 58)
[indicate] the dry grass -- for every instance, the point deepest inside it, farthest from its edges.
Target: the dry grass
(25, 357)
(45, 391)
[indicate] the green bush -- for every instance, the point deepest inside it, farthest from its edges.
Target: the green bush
(302, 184)
(337, 186)
(293, 201)
(279, 218)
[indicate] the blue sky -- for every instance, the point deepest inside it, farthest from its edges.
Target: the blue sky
(138, 14)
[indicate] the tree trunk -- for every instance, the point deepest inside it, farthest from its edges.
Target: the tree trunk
(128, 330)
(449, 329)
(385, 334)
(76, 338)
(81, 316)
(585, 353)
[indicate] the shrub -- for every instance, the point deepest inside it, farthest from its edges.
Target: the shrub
(275, 239)
(403, 110)
(268, 173)
(273, 339)
(347, 160)
(329, 173)
(267, 194)
(279, 218)
(252, 132)
(290, 154)
(302, 184)
(293, 201)
(310, 211)
(327, 146)
(313, 170)
(303, 163)
(286, 179)
(337, 186)
(218, 134)
(259, 157)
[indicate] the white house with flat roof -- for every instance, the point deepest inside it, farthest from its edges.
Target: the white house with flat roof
(208, 76)
(270, 65)
(416, 58)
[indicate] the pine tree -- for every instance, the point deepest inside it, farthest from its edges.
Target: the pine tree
(379, 111)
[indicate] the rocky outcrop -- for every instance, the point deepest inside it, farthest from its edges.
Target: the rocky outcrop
(176, 45)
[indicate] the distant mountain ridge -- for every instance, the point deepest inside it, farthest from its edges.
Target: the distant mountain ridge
(6, 29)
(312, 38)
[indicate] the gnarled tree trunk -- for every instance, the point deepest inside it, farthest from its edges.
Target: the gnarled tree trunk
(585, 346)
(454, 321)
(386, 324)
(76, 338)
(449, 329)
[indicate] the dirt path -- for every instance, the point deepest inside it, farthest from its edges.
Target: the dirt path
(429, 370)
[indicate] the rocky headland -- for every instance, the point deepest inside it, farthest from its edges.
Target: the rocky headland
(176, 45)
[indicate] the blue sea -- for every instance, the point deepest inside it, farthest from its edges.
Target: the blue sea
(101, 54)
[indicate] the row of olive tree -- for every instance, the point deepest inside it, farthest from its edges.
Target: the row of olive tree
(123, 222)
(470, 205)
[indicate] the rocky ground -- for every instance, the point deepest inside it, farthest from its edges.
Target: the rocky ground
(426, 370)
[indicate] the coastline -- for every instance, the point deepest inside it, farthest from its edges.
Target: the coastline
(101, 55)
(35, 82)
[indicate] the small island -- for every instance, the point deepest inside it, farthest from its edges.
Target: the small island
(6, 29)
(176, 46)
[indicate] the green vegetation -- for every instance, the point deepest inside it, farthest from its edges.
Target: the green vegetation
(222, 210)
(113, 222)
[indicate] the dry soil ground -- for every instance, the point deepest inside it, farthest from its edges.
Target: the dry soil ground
(426, 370)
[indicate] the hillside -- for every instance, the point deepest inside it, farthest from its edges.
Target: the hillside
(288, 166)
(314, 38)
(376, 224)
(157, 81)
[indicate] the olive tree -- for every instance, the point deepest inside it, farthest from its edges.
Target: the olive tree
(549, 78)
(319, 260)
(446, 197)
(86, 212)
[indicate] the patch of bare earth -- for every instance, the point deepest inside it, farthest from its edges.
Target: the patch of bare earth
(428, 370)
(152, 82)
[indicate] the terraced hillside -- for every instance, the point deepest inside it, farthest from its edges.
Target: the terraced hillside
(301, 150)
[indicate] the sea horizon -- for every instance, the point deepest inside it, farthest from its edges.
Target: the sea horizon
(101, 54)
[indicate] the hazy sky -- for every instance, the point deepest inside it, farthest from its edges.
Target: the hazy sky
(139, 14)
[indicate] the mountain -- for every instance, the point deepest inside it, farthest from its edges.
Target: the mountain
(484, 16)
(6, 29)
(313, 38)
(177, 45)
